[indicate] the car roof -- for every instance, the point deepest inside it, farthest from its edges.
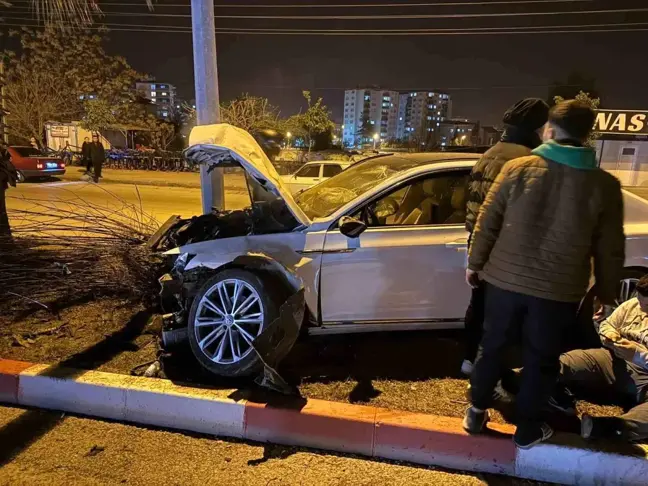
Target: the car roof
(422, 158)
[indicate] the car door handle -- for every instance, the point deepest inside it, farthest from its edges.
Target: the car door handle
(459, 245)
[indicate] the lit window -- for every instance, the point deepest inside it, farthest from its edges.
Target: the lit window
(443, 144)
(430, 94)
(432, 129)
(153, 94)
(165, 113)
(429, 117)
(451, 130)
(164, 94)
(438, 112)
(401, 118)
(152, 86)
(373, 122)
(437, 124)
(435, 107)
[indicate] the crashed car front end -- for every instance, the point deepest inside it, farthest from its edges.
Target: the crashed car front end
(258, 249)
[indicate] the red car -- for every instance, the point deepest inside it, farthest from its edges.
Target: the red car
(32, 163)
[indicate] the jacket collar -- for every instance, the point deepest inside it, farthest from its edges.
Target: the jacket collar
(520, 136)
(576, 157)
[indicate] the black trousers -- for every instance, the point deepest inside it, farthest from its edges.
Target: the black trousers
(474, 322)
(542, 326)
(97, 169)
(599, 370)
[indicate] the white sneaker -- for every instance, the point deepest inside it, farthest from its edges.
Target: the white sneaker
(467, 367)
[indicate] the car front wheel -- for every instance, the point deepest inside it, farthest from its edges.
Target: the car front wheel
(20, 177)
(231, 309)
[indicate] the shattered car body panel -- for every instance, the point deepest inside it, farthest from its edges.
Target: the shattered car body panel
(298, 254)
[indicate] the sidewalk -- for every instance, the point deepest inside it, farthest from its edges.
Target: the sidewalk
(154, 178)
(350, 429)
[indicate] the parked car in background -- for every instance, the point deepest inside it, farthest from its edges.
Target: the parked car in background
(379, 247)
(31, 163)
(313, 173)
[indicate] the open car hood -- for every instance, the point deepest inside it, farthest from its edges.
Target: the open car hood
(224, 145)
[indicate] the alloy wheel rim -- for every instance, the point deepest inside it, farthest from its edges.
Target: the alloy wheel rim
(229, 317)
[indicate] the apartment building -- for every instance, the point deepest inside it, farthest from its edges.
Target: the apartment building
(369, 114)
(162, 95)
(420, 115)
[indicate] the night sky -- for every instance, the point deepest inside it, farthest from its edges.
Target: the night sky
(483, 73)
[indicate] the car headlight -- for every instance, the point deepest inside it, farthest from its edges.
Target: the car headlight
(181, 262)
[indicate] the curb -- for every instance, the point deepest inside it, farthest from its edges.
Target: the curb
(341, 427)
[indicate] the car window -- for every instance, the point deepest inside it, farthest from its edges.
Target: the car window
(440, 199)
(331, 169)
(27, 151)
(309, 171)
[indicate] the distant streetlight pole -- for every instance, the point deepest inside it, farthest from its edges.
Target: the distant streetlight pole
(288, 135)
(375, 139)
(207, 101)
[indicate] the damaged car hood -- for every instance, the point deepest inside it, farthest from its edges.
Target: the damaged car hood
(222, 144)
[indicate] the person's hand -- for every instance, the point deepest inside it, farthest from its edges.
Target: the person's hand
(625, 349)
(603, 312)
(472, 278)
(609, 337)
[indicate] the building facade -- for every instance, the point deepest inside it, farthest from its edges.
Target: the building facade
(162, 95)
(369, 114)
(420, 116)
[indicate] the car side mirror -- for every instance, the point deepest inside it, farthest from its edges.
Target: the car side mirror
(351, 227)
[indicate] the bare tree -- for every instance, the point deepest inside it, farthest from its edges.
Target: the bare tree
(250, 113)
(69, 14)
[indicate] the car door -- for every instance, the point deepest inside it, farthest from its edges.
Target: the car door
(408, 265)
(307, 176)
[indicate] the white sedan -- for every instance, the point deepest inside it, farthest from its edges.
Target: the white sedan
(313, 173)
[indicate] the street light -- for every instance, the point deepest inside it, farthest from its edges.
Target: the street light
(375, 139)
(288, 135)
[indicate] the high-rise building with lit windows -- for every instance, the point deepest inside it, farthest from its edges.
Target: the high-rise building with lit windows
(369, 114)
(162, 95)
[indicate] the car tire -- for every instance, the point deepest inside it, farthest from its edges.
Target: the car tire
(249, 363)
(20, 177)
(585, 335)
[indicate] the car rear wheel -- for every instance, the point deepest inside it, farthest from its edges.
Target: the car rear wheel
(20, 176)
(228, 313)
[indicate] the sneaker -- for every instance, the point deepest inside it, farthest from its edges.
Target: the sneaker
(601, 427)
(474, 421)
(563, 401)
(587, 426)
(527, 437)
(467, 367)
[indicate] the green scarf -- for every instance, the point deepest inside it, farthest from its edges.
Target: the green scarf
(576, 157)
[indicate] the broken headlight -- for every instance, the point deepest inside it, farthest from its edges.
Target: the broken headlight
(181, 262)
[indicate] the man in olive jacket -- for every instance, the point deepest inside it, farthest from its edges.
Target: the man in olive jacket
(523, 121)
(544, 221)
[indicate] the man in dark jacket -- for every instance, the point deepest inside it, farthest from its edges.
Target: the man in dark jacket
(8, 177)
(85, 154)
(97, 156)
(523, 122)
(546, 217)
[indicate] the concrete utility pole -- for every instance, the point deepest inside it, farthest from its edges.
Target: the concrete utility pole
(207, 101)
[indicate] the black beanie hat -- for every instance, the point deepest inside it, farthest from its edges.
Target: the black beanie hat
(528, 114)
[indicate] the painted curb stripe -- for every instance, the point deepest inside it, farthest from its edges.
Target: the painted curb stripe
(342, 427)
(333, 426)
(441, 441)
(9, 376)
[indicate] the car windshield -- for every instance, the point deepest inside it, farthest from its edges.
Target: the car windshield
(324, 199)
(27, 151)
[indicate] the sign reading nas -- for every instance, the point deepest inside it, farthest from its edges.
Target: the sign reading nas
(621, 122)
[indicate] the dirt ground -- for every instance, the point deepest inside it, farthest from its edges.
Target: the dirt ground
(413, 371)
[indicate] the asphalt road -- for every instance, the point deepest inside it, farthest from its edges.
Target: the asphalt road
(47, 448)
(160, 202)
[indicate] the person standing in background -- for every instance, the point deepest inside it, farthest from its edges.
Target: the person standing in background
(97, 156)
(85, 155)
(524, 120)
